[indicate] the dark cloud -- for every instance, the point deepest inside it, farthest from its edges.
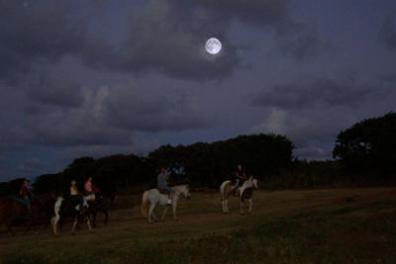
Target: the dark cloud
(301, 43)
(56, 92)
(296, 39)
(391, 78)
(100, 77)
(153, 113)
(31, 166)
(269, 12)
(388, 32)
(36, 30)
(321, 92)
(102, 116)
(162, 36)
(170, 40)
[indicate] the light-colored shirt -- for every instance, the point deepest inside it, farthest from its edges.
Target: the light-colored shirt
(162, 179)
(74, 190)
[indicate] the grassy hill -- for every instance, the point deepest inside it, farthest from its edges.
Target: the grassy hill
(312, 226)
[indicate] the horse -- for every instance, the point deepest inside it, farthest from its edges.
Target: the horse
(152, 197)
(245, 193)
(66, 207)
(101, 204)
(13, 212)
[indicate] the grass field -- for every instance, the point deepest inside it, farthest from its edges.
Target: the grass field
(311, 226)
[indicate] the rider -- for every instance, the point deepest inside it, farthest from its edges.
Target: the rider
(163, 182)
(75, 195)
(26, 194)
(90, 189)
(240, 177)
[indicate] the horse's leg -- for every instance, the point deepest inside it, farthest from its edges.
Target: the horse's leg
(75, 222)
(151, 212)
(54, 223)
(224, 205)
(226, 209)
(250, 205)
(174, 206)
(164, 213)
(89, 223)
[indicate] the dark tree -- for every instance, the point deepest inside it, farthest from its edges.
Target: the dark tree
(369, 145)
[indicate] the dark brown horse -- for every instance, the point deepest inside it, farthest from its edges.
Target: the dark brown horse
(13, 212)
(100, 205)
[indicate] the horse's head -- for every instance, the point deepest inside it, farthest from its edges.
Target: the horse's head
(185, 191)
(253, 182)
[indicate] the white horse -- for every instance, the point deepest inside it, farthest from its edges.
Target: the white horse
(245, 193)
(152, 197)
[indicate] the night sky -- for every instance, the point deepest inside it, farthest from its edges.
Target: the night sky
(100, 77)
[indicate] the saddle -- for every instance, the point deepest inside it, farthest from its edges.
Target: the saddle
(163, 191)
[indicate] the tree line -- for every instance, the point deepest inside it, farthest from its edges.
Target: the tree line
(363, 153)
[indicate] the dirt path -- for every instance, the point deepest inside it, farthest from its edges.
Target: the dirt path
(205, 209)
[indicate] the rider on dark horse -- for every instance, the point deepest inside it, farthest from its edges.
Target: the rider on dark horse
(240, 177)
(25, 195)
(90, 189)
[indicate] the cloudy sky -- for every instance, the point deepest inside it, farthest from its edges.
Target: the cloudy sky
(99, 77)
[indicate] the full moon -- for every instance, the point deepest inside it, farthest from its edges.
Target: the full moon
(213, 46)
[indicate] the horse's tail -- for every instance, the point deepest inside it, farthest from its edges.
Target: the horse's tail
(145, 204)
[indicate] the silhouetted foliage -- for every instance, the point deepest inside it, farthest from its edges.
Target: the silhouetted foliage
(369, 146)
(11, 188)
(107, 173)
(208, 164)
(364, 151)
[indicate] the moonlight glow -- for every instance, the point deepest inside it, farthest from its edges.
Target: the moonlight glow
(213, 46)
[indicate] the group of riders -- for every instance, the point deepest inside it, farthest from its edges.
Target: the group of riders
(90, 191)
(166, 178)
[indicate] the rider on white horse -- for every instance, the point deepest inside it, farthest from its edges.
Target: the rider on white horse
(163, 183)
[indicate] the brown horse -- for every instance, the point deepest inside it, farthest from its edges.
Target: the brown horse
(245, 193)
(14, 212)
